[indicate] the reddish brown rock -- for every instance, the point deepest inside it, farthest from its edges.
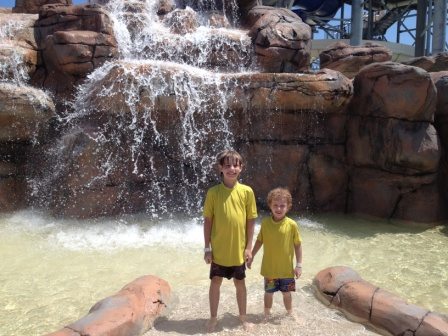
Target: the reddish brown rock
(282, 42)
(131, 311)
(165, 6)
(18, 48)
(384, 195)
(350, 59)
(182, 21)
(344, 289)
(393, 145)
(263, 173)
(328, 177)
(24, 112)
(74, 41)
(392, 90)
(436, 63)
(394, 315)
(33, 6)
(13, 193)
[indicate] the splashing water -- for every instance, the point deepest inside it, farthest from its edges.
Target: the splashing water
(159, 114)
(13, 67)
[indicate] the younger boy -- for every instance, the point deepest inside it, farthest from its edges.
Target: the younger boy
(229, 218)
(281, 239)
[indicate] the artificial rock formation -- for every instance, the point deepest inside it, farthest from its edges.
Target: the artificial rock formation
(73, 41)
(392, 145)
(350, 59)
(33, 6)
(18, 48)
(131, 311)
(25, 115)
(342, 288)
(291, 104)
(436, 63)
(282, 41)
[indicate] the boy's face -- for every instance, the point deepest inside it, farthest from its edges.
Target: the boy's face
(279, 207)
(230, 170)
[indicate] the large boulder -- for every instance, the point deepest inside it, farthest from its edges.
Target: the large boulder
(131, 311)
(436, 63)
(392, 145)
(73, 40)
(18, 47)
(24, 113)
(350, 59)
(33, 6)
(342, 288)
(282, 41)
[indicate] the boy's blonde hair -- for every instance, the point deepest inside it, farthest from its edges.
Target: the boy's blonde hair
(280, 193)
(229, 155)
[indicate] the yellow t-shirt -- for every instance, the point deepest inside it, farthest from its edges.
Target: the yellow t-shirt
(229, 208)
(278, 240)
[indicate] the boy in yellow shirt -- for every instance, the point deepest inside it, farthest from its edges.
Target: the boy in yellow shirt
(280, 238)
(229, 218)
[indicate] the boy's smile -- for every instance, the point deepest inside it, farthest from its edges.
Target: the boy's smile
(230, 172)
(279, 208)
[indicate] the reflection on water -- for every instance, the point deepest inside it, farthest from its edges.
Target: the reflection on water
(53, 271)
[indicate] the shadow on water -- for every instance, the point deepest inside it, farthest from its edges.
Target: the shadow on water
(198, 326)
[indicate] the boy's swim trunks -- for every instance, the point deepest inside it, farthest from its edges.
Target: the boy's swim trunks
(237, 272)
(282, 285)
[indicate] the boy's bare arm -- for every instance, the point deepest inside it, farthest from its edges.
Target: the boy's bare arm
(250, 225)
(208, 256)
(298, 268)
(256, 248)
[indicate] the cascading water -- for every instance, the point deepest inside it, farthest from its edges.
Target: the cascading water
(160, 112)
(14, 71)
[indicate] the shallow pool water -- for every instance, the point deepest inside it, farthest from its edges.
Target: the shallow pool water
(54, 270)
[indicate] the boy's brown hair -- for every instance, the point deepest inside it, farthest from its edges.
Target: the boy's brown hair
(229, 155)
(280, 193)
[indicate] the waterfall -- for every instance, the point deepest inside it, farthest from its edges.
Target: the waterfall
(14, 70)
(152, 121)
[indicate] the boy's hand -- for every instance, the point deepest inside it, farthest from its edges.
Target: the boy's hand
(208, 257)
(298, 272)
(248, 256)
(249, 264)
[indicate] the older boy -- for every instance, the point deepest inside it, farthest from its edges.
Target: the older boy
(229, 217)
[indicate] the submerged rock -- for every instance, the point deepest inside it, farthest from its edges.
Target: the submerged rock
(131, 311)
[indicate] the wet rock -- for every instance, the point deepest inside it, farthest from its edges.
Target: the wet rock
(182, 21)
(131, 311)
(282, 41)
(217, 20)
(342, 288)
(350, 59)
(165, 6)
(24, 113)
(18, 48)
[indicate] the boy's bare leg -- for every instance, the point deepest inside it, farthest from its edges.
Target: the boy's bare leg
(287, 301)
(213, 295)
(268, 299)
(241, 299)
